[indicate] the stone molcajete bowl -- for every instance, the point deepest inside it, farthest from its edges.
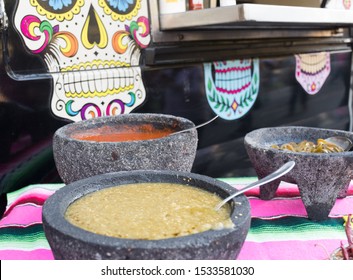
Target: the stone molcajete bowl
(321, 177)
(70, 242)
(78, 153)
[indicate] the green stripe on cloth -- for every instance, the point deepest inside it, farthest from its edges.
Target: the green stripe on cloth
(295, 228)
(26, 238)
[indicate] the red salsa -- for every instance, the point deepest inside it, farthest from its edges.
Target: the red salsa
(123, 134)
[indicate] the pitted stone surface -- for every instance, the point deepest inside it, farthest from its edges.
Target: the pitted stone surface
(78, 159)
(321, 178)
(70, 242)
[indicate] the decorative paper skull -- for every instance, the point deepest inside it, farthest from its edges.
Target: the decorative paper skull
(312, 70)
(91, 49)
(232, 86)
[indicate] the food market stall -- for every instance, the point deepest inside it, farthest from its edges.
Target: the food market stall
(253, 65)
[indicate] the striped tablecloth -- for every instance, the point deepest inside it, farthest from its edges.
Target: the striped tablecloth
(279, 228)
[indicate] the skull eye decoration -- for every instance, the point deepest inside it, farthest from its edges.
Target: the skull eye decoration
(59, 10)
(92, 50)
(119, 9)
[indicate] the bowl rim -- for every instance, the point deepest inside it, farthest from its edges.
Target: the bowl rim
(55, 206)
(63, 132)
(249, 140)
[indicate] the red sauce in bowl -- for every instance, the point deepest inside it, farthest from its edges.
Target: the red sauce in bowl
(123, 134)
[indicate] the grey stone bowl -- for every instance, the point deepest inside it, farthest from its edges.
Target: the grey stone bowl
(70, 242)
(321, 178)
(77, 159)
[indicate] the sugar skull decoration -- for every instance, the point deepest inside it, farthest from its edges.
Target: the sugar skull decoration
(312, 70)
(91, 49)
(232, 86)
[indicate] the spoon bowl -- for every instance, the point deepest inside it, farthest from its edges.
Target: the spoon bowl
(341, 141)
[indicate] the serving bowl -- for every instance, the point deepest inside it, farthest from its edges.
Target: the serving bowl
(68, 241)
(124, 142)
(321, 177)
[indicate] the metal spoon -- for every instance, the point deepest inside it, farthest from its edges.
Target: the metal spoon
(345, 143)
(271, 177)
(197, 126)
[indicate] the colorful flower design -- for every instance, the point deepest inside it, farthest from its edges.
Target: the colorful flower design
(121, 5)
(59, 4)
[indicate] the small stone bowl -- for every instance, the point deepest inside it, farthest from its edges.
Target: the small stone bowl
(70, 242)
(321, 178)
(81, 158)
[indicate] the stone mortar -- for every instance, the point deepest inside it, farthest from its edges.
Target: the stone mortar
(321, 178)
(70, 242)
(78, 159)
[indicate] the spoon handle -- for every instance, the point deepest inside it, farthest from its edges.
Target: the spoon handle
(271, 177)
(195, 127)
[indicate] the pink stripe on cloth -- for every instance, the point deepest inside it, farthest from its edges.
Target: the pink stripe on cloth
(35, 196)
(279, 207)
(284, 190)
(22, 215)
(39, 254)
(276, 208)
(288, 250)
